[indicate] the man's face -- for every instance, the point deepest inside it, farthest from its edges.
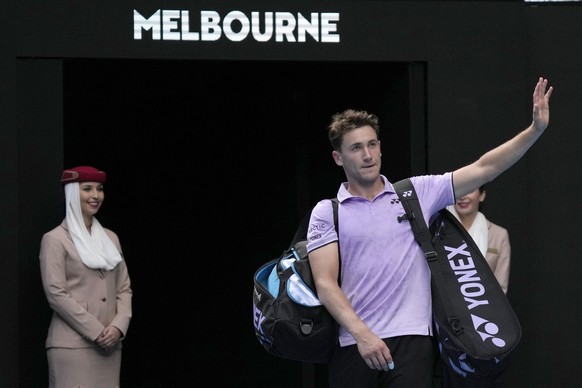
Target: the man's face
(360, 155)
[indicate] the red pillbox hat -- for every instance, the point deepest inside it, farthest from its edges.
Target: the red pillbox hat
(83, 174)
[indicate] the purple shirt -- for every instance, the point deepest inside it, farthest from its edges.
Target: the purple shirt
(383, 270)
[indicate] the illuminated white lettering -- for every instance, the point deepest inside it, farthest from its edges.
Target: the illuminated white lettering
(256, 26)
(284, 26)
(152, 23)
(170, 25)
(308, 26)
(329, 27)
(236, 26)
(186, 33)
(209, 25)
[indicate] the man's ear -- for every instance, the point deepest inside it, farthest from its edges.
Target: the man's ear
(337, 157)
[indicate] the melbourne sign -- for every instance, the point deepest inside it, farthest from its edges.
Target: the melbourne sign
(236, 26)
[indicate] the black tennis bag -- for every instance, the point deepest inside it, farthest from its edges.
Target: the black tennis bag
(288, 318)
(475, 325)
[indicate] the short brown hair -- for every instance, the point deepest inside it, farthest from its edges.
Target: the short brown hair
(348, 120)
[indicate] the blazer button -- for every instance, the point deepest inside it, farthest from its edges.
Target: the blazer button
(103, 300)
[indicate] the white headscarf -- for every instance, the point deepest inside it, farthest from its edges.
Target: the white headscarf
(478, 230)
(96, 249)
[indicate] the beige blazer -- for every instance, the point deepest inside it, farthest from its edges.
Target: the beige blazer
(499, 253)
(83, 300)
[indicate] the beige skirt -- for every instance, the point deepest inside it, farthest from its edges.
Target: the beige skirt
(83, 368)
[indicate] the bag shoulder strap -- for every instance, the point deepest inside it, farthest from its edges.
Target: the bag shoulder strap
(335, 205)
(411, 205)
(301, 232)
(405, 190)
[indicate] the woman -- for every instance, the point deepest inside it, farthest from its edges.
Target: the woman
(87, 286)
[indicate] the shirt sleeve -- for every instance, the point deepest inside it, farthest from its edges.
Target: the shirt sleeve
(321, 230)
(434, 192)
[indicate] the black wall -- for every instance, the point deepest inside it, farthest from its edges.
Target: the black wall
(199, 140)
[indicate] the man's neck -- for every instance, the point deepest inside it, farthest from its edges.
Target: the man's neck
(369, 191)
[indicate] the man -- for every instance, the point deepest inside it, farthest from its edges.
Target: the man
(384, 303)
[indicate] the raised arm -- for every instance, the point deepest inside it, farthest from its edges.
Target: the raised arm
(494, 162)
